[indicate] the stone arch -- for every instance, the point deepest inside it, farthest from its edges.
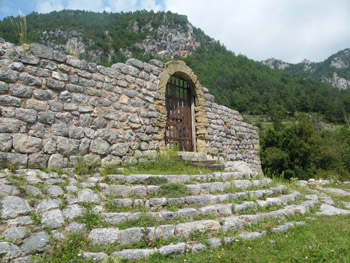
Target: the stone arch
(180, 69)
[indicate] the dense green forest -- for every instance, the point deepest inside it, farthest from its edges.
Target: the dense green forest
(300, 149)
(252, 88)
(106, 30)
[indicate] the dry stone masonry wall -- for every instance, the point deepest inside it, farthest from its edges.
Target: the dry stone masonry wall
(55, 108)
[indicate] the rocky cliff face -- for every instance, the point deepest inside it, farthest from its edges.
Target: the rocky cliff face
(164, 41)
(170, 43)
(335, 70)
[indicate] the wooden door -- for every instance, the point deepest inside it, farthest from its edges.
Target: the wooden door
(179, 121)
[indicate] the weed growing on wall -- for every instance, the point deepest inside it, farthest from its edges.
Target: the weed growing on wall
(20, 28)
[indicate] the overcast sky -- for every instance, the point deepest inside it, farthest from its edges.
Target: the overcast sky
(291, 30)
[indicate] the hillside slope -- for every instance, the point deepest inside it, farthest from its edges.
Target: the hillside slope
(235, 80)
(335, 70)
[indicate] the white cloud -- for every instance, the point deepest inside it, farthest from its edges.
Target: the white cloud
(150, 5)
(89, 5)
(132, 5)
(46, 6)
(122, 5)
(290, 30)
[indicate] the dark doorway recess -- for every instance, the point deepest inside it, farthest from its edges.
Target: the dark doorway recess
(178, 99)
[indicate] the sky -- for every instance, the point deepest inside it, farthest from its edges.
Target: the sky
(290, 30)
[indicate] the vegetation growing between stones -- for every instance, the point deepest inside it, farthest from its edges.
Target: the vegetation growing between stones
(165, 163)
(66, 250)
(324, 239)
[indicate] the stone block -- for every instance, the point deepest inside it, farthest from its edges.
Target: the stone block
(14, 233)
(52, 219)
(5, 142)
(67, 146)
(10, 101)
(119, 149)
(38, 160)
(13, 206)
(26, 144)
(55, 84)
(120, 203)
(38, 242)
(8, 76)
(4, 87)
(48, 204)
(41, 51)
(104, 236)
(100, 147)
(73, 211)
(43, 94)
(27, 79)
(173, 249)
(26, 115)
(46, 117)
(57, 161)
(36, 105)
(88, 196)
(115, 218)
(55, 191)
(21, 91)
(133, 254)
(130, 236)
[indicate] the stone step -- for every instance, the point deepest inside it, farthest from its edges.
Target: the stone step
(142, 191)
(185, 229)
(192, 156)
(192, 213)
(105, 236)
(178, 178)
(188, 247)
(200, 160)
(208, 164)
(194, 200)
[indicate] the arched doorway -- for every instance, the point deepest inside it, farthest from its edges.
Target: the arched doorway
(179, 106)
(198, 122)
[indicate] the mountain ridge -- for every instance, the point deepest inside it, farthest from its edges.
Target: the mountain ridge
(334, 70)
(235, 80)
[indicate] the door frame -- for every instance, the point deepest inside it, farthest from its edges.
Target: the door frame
(200, 122)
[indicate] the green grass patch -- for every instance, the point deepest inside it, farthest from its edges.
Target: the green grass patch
(165, 163)
(91, 220)
(325, 239)
(173, 190)
(66, 250)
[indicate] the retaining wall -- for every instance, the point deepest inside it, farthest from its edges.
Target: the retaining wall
(55, 108)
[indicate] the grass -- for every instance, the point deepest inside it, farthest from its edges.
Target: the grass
(165, 163)
(66, 250)
(326, 239)
(173, 190)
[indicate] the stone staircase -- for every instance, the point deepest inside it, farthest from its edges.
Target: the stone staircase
(200, 160)
(134, 216)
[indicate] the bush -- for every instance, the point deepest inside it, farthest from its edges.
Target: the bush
(302, 151)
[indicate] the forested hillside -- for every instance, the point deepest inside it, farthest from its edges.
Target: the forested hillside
(335, 70)
(235, 80)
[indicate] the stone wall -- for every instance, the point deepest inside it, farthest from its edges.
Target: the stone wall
(229, 137)
(55, 108)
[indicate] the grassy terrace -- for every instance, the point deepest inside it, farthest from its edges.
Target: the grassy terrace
(324, 239)
(321, 239)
